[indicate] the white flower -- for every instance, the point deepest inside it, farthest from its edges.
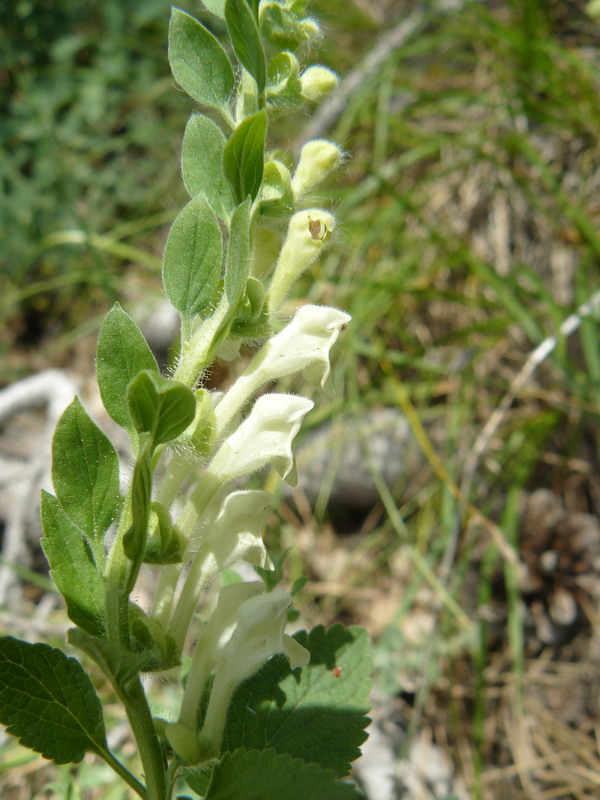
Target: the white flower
(236, 533)
(210, 644)
(302, 346)
(264, 437)
(258, 635)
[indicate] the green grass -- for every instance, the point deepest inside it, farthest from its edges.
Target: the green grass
(468, 233)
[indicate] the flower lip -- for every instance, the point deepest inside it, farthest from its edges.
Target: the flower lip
(264, 437)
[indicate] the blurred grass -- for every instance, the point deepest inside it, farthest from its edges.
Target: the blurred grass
(468, 233)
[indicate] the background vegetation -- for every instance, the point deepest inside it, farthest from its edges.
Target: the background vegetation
(469, 233)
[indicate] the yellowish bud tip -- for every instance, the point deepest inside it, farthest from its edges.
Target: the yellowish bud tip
(317, 82)
(318, 160)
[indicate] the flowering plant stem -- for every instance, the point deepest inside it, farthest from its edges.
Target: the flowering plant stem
(182, 514)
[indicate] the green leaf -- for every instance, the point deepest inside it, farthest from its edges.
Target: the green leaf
(134, 540)
(237, 266)
(198, 778)
(245, 38)
(72, 566)
(216, 7)
(202, 164)
(244, 157)
(48, 702)
(252, 775)
(198, 62)
(159, 406)
(122, 353)
(316, 713)
(85, 472)
(192, 260)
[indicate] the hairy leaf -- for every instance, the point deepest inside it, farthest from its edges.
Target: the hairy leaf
(216, 7)
(244, 157)
(48, 702)
(198, 62)
(85, 472)
(134, 540)
(247, 45)
(252, 775)
(315, 713)
(237, 266)
(202, 164)
(159, 406)
(122, 353)
(192, 260)
(72, 566)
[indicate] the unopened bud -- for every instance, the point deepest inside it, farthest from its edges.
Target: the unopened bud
(317, 82)
(318, 160)
(310, 28)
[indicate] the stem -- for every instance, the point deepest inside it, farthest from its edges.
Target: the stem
(140, 719)
(171, 777)
(197, 352)
(124, 773)
(117, 599)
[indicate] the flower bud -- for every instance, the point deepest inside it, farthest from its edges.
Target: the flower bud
(317, 82)
(318, 160)
(307, 233)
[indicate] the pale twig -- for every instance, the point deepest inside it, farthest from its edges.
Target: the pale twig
(536, 357)
(55, 390)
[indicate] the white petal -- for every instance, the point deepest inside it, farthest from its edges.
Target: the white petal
(241, 516)
(264, 437)
(302, 346)
(297, 655)
(258, 635)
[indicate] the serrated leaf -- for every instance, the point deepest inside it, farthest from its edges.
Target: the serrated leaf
(245, 38)
(315, 713)
(253, 775)
(159, 406)
(48, 702)
(244, 157)
(85, 472)
(192, 260)
(202, 164)
(122, 353)
(198, 62)
(237, 266)
(72, 566)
